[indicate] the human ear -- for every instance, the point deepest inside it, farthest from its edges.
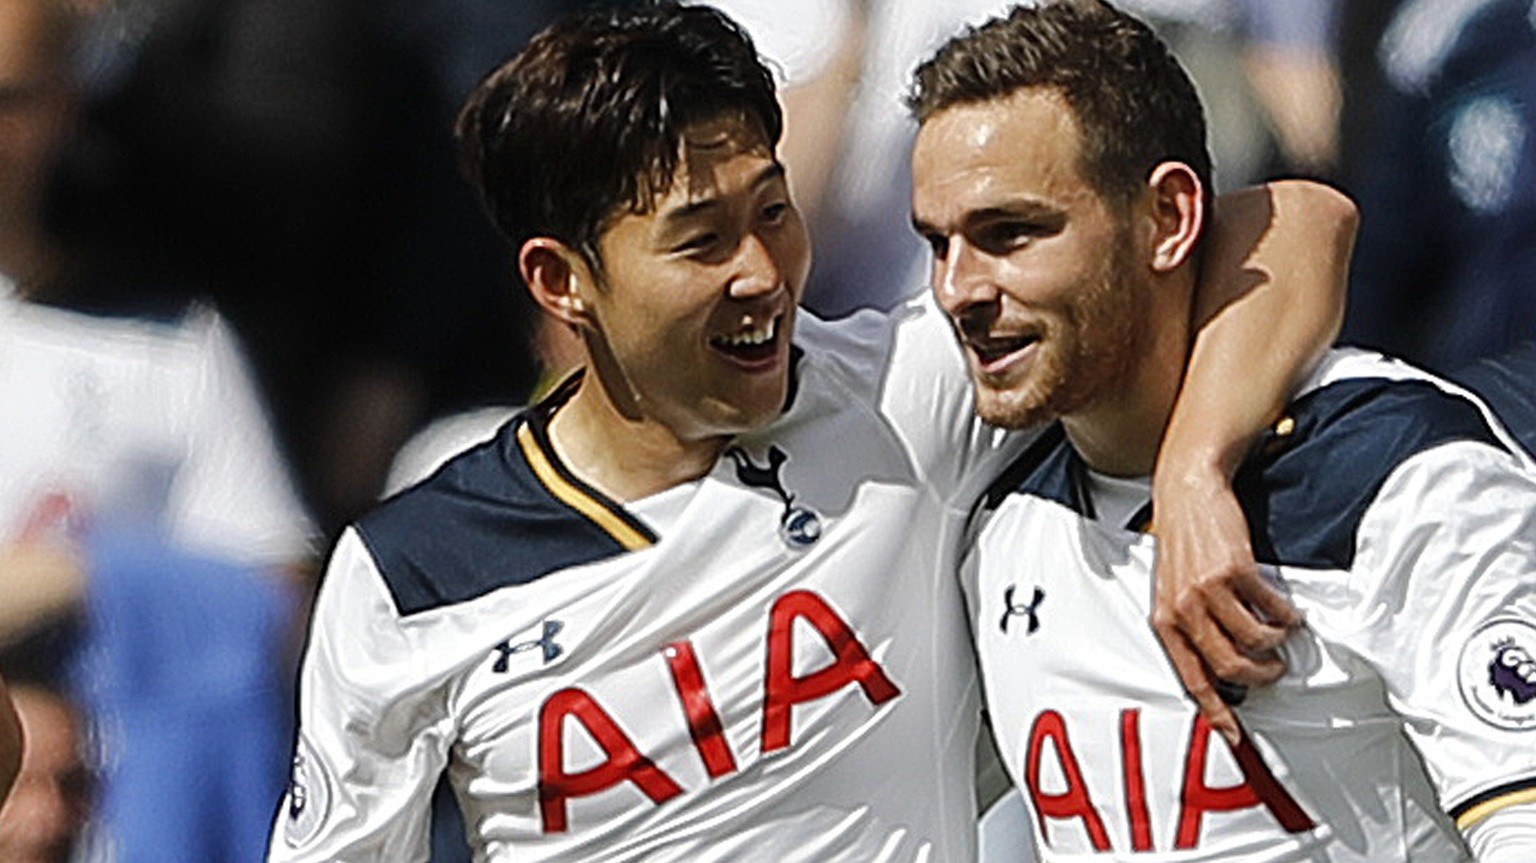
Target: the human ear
(557, 276)
(1178, 214)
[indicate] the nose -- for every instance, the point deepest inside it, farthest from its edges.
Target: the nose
(758, 270)
(961, 279)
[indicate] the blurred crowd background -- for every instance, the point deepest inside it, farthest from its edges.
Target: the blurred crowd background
(238, 272)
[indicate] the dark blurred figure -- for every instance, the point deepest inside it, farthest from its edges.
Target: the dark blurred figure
(294, 160)
(1445, 268)
(1508, 383)
(36, 101)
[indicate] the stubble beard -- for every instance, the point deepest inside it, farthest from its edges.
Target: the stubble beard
(1085, 351)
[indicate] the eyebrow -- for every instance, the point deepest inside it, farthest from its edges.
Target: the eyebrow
(769, 174)
(1027, 208)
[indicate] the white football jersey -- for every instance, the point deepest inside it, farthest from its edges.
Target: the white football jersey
(1400, 519)
(138, 420)
(767, 664)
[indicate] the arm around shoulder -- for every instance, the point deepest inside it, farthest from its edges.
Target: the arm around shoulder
(1270, 303)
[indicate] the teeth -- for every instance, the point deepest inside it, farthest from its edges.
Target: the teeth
(748, 338)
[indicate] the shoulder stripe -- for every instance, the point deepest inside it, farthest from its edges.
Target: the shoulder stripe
(503, 513)
(1492, 800)
(577, 496)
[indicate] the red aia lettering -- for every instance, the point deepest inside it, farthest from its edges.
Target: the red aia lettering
(703, 720)
(623, 763)
(1075, 801)
(852, 664)
(1259, 788)
(1135, 781)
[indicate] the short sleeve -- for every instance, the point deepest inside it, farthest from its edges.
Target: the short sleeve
(1446, 575)
(374, 729)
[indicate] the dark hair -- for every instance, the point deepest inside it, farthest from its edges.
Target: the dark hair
(589, 117)
(1135, 106)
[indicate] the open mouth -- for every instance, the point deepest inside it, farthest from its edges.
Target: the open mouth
(994, 353)
(755, 344)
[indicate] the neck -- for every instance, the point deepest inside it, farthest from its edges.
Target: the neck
(1120, 432)
(624, 457)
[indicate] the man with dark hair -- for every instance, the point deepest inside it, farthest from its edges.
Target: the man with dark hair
(698, 604)
(1391, 506)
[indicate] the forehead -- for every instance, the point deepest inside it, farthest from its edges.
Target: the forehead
(976, 155)
(713, 157)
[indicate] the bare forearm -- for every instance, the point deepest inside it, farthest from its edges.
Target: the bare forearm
(1271, 300)
(1270, 303)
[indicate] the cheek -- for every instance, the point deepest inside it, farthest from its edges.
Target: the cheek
(791, 249)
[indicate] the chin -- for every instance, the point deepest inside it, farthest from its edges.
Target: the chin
(1012, 410)
(744, 415)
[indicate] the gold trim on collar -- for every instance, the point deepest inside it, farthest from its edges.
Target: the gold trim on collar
(576, 497)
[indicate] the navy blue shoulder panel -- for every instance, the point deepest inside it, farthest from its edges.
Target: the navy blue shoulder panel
(482, 522)
(1043, 470)
(1305, 492)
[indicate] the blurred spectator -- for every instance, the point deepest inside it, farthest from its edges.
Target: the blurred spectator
(1266, 70)
(293, 160)
(140, 494)
(44, 819)
(1446, 262)
(35, 107)
(1508, 383)
(184, 662)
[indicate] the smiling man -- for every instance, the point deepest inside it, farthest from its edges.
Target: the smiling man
(1060, 175)
(699, 603)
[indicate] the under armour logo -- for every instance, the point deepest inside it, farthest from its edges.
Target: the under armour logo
(798, 525)
(546, 642)
(1031, 610)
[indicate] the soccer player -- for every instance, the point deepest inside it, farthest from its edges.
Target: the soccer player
(1060, 174)
(699, 603)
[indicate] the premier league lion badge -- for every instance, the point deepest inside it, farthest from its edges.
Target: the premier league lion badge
(309, 797)
(1497, 674)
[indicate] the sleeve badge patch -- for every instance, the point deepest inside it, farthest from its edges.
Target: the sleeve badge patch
(1497, 674)
(309, 797)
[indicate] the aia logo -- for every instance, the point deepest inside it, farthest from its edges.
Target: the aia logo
(798, 526)
(1078, 801)
(544, 643)
(1030, 611)
(847, 671)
